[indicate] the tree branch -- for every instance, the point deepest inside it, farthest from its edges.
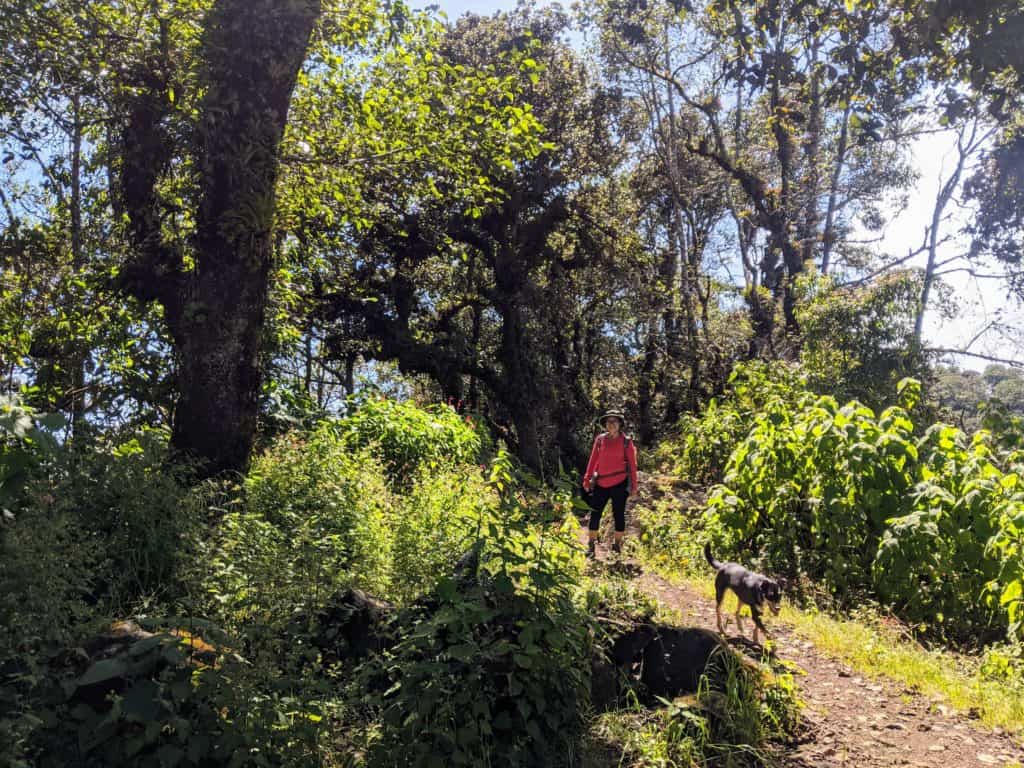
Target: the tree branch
(978, 355)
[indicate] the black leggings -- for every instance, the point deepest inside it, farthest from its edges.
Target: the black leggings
(599, 498)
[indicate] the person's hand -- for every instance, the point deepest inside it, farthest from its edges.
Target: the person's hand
(633, 494)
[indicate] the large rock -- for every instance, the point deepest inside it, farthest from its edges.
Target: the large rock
(668, 661)
(676, 658)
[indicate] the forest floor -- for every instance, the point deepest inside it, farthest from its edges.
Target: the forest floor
(850, 719)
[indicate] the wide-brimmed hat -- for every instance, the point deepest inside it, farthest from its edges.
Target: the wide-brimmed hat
(613, 413)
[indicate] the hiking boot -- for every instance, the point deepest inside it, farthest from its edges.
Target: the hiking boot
(617, 546)
(591, 550)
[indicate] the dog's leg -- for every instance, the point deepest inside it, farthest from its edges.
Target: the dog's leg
(739, 618)
(758, 624)
(719, 597)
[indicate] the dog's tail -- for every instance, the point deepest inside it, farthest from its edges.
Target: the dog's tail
(714, 563)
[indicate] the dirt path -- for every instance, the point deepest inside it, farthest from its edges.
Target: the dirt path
(851, 721)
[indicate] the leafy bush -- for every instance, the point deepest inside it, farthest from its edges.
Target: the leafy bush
(930, 523)
(669, 536)
(493, 670)
(314, 520)
(405, 436)
(98, 533)
(706, 441)
(858, 341)
(932, 561)
(107, 528)
(172, 700)
(26, 442)
(433, 524)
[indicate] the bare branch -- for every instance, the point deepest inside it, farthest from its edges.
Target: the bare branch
(978, 355)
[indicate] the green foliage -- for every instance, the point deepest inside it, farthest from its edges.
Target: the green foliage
(933, 560)
(670, 536)
(26, 441)
(322, 512)
(433, 524)
(859, 342)
(706, 441)
(171, 699)
(494, 671)
(930, 523)
(114, 523)
(619, 600)
(314, 520)
(405, 436)
(99, 534)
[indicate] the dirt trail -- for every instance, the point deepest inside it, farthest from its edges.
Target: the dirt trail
(854, 721)
(851, 721)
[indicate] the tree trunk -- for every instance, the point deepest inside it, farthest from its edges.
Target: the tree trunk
(252, 52)
(782, 219)
(78, 355)
(811, 219)
(646, 388)
(519, 395)
(943, 198)
(828, 239)
(350, 373)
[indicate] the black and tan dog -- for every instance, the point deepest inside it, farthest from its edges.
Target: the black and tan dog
(751, 588)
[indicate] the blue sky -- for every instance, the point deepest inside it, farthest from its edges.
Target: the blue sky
(455, 8)
(979, 301)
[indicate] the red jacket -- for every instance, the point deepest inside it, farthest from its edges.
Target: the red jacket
(612, 461)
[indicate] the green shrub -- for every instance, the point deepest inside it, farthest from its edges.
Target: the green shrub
(493, 669)
(405, 436)
(98, 534)
(858, 341)
(671, 537)
(26, 443)
(315, 519)
(163, 706)
(119, 522)
(434, 523)
(705, 442)
(931, 524)
(932, 561)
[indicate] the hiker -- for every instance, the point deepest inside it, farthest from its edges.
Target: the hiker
(611, 474)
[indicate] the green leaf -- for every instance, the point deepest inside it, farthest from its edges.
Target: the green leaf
(1012, 594)
(142, 701)
(107, 669)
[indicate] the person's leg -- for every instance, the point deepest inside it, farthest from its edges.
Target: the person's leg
(619, 495)
(598, 500)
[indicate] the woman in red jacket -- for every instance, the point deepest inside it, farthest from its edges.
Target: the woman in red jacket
(611, 474)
